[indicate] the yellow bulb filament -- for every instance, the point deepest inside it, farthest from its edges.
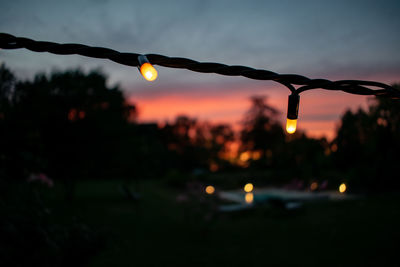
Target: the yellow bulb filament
(148, 72)
(291, 125)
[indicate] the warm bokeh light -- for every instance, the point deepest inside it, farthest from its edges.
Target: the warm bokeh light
(210, 189)
(148, 71)
(75, 114)
(213, 167)
(81, 114)
(249, 198)
(342, 188)
(256, 155)
(314, 186)
(291, 125)
(245, 156)
(248, 187)
(334, 148)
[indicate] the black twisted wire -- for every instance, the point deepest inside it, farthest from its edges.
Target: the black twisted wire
(8, 41)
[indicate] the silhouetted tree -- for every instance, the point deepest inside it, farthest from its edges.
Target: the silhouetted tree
(262, 131)
(195, 144)
(215, 139)
(368, 143)
(144, 153)
(67, 125)
(221, 136)
(9, 155)
(305, 157)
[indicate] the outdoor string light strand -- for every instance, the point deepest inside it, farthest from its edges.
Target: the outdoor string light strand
(144, 63)
(8, 41)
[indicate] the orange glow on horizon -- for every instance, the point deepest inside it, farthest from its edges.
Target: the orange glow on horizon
(320, 114)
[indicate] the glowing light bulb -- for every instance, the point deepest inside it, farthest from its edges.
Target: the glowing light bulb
(210, 189)
(292, 113)
(248, 187)
(291, 126)
(146, 69)
(148, 72)
(342, 188)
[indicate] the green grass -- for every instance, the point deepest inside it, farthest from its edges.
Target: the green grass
(158, 231)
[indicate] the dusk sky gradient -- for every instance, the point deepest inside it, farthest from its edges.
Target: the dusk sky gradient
(318, 39)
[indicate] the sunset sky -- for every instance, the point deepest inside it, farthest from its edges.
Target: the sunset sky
(318, 39)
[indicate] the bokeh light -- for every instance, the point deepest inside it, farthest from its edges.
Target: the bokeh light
(314, 186)
(210, 189)
(249, 198)
(248, 187)
(342, 188)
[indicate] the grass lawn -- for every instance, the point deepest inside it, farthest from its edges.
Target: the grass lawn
(159, 231)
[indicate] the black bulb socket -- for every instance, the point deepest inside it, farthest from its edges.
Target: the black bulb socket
(293, 106)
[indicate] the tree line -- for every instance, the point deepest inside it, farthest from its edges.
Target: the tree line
(71, 125)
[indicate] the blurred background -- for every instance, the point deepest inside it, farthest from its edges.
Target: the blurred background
(99, 167)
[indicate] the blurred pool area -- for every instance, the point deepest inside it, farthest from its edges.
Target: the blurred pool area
(288, 199)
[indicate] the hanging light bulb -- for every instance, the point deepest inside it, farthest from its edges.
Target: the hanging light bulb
(146, 69)
(292, 113)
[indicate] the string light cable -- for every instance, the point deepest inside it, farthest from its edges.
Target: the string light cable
(145, 65)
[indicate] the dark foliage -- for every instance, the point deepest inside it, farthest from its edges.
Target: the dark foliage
(71, 125)
(195, 144)
(31, 236)
(269, 147)
(368, 142)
